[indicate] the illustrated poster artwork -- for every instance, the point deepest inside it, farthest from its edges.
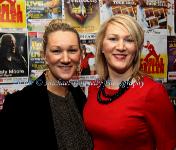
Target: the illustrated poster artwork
(154, 58)
(152, 15)
(12, 14)
(83, 16)
(171, 48)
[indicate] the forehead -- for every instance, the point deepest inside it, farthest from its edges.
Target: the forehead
(116, 28)
(61, 34)
(63, 37)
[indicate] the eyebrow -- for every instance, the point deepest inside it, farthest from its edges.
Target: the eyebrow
(117, 35)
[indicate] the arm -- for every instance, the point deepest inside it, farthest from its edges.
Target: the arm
(161, 117)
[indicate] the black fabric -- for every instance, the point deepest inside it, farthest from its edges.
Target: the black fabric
(26, 118)
(70, 132)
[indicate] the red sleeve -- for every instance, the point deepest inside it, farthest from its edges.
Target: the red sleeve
(161, 117)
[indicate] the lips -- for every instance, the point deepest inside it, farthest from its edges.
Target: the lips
(120, 56)
(65, 68)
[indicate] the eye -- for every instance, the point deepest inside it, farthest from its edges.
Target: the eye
(112, 39)
(130, 40)
(72, 50)
(56, 51)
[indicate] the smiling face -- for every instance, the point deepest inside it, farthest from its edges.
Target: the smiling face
(119, 49)
(62, 54)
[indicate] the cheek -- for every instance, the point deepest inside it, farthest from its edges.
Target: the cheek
(132, 49)
(107, 46)
(51, 59)
(76, 58)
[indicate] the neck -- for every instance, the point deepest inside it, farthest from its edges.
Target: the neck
(54, 87)
(116, 79)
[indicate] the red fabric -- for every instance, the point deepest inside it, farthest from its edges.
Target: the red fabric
(84, 62)
(143, 118)
(150, 47)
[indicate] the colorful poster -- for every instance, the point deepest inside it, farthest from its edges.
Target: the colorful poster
(12, 14)
(41, 12)
(37, 25)
(124, 7)
(152, 15)
(87, 65)
(84, 16)
(36, 57)
(154, 59)
(13, 57)
(44, 9)
(109, 8)
(171, 48)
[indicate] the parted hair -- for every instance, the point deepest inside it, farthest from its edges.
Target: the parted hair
(57, 25)
(136, 33)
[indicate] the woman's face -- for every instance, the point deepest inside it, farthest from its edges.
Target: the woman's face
(119, 49)
(62, 54)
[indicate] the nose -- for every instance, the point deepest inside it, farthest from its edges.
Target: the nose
(120, 45)
(65, 57)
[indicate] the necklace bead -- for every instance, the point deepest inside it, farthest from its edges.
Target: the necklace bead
(110, 98)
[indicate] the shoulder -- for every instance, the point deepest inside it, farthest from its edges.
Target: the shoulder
(149, 83)
(26, 96)
(155, 91)
(32, 87)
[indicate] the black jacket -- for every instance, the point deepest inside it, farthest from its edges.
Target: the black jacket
(26, 119)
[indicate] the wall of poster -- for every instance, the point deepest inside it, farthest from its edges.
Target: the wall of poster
(25, 21)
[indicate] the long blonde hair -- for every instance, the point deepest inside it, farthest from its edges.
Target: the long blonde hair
(137, 34)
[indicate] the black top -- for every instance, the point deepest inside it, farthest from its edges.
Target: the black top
(26, 120)
(70, 132)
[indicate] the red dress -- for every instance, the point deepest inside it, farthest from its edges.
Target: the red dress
(143, 118)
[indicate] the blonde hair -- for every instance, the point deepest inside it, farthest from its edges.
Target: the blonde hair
(57, 25)
(137, 34)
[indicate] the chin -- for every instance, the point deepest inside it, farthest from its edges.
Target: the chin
(66, 77)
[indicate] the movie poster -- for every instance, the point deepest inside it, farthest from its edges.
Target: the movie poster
(171, 48)
(152, 15)
(87, 65)
(13, 57)
(154, 58)
(36, 57)
(115, 7)
(12, 14)
(84, 16)
(124, 7)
